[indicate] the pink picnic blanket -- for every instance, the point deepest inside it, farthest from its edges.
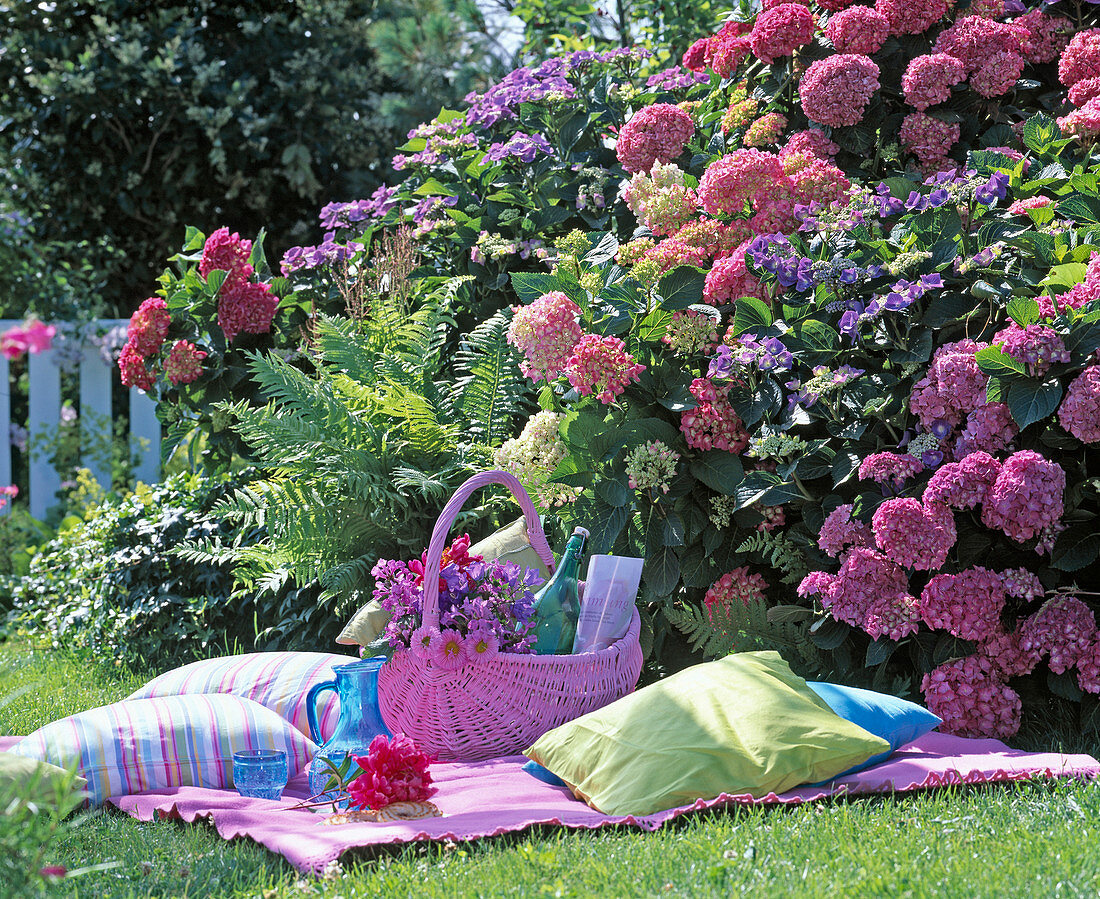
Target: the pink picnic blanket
(483, 799)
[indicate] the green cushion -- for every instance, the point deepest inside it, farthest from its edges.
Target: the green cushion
(32, 779)
(742, 724)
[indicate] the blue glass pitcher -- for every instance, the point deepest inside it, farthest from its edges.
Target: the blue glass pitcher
(360, 718)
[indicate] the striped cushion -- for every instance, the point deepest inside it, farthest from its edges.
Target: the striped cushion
(278, 680)
(150, 744)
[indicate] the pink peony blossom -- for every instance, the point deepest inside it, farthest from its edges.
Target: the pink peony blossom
(601, 366)
(1062, 629)
(394, 769)
(780, 31)
(840, 531)
(890, 468)
(858, 29)
(911, 16)
(655, 133)
(246, 308)
(227, 253)
(1026, 497)
(713, 424)
(1081, 58)
(545, 332)
(912, 534)
(1079, 413)
(928, 79)
(972, 699)
(184, 362)
(835, 90)
(967, 604)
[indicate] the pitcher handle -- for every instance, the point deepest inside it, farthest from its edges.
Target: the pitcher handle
(311, 708)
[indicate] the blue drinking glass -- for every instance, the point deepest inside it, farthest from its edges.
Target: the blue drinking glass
(260, 773)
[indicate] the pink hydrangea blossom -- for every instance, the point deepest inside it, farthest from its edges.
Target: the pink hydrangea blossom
(729, 280)
(747, 175)
(1026, 497)
(713, 424)
(1084, 90)
(33, 336)
(972, 699)
(545, 332)
(975, 41)
(247, 308)
(1062, 629)
(1083, 123)
(699, 243)
(1088, 667)
(739, 584)
(184, 362)
(812, 141)
(893, 469)
(894, 617)
(1022, 584)
(765, 131)
(655, 133)
(695, 57)
(911, 16)
(928, 79)
(601, 366)
(661, 199)
(953, 387)
(816, 180)
(998, 73)
(927, 138)
(989, 428)
(967, 604)
(1081, 58)
(835, 90)
(865, 576)
(149, 326)
(858, 29)
(1079, 413)
(227, 253)
(1006, 655)
(133, 370)
(780, 31)
(691, 332)
(727, 49)
(840, 531)
(912, 534)
(963, 485)
(1047, 36)
(1020, 207)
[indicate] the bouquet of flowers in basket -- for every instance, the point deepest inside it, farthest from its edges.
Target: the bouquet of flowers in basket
(485, 607)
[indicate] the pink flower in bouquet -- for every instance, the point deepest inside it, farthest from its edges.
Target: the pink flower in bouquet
(911, 16)
(892, 469)
(835, 90)
(246, 307)
(394, 769)
(1026, 498)
(972, 699)
(729, 279)
(447, 650)
(227, 253)
(928, 79)
(421, 640)
(858, 29)
(545, 332)
(133, 370)
(481, 644)
(713, 424)
(1062, 629)
(184, 362)
(1047, 36)
(989, 428)
(601, 366)
(780, 31)
(912, 534)
(655, 133)
(963, 485)
(1081, 58)
(149, 326)
(967, 604)
(1079, 413)
(840, 531)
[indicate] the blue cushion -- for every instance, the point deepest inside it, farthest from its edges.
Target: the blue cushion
(897, 721)
(546, 776)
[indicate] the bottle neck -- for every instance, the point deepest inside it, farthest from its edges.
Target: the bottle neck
(571, 558)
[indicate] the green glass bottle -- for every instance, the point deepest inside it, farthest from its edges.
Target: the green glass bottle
(557, 605)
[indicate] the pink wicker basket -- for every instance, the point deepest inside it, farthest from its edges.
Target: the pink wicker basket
(500, 706)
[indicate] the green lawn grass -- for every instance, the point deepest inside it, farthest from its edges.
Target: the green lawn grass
(1030, 839)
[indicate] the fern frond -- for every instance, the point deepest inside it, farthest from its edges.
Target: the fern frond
(492, 391)
(778, 551)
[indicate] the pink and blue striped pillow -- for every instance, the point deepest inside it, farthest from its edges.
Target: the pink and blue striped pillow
(169, 741)
(279, 681)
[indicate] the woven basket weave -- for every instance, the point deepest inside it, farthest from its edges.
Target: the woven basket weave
(500, 706)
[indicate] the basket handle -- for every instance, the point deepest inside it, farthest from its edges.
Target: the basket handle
(447, 518)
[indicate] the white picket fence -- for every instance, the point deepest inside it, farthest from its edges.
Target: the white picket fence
(97, 379)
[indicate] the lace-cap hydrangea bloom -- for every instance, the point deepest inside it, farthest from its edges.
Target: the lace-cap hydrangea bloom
(650, 466)
(394, 769)
(835, 90)
(928, 79)
(184, 362)
(656, 133)
(914, 535)
(1079, 413)
(246, 308)
(963, 485)
(227, 253)
(911, 16)
(780, 31)
(1026, 498)
(972, 699)
(858, 29)
(601, 366)
(1081, 58)
(149, 326)
(966, 605)
(892, 469)
(840, 531)
(989, 428)
(1063, 629)
(545, 332)
(713, 424)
